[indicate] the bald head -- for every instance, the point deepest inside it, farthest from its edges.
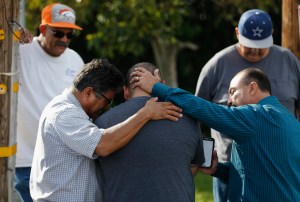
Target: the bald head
(249, 86)
(256, 75)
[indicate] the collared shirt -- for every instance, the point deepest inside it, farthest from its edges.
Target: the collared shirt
(265, 154)
(63, 168)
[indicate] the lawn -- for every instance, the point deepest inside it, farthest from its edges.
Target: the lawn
(203, 188)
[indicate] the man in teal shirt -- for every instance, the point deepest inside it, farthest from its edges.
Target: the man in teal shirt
(265, 153)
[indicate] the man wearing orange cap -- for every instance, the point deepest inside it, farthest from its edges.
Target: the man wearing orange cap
(48, 66)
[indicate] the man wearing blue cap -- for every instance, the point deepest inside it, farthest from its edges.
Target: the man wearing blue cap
(254, 48)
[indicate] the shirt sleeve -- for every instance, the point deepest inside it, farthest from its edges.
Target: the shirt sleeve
(205, 80)
(78, 132)
(235, 122)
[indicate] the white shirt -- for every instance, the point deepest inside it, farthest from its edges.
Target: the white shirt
(42, 78)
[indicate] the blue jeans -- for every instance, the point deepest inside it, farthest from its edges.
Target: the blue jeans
(220, 190)
(22, 183)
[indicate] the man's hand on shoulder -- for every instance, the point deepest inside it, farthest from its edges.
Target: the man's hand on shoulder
(162, 110)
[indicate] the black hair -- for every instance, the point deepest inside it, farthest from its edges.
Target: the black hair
(101, 75)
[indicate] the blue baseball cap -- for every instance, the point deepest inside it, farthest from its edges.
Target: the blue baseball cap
(255, 29)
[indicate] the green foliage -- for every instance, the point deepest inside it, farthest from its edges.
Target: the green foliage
(203, 185)
(124, 26)
(123, 30)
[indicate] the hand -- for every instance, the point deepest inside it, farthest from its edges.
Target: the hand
(213, 168)
(162, 110)
(26, 36)
(144, 79)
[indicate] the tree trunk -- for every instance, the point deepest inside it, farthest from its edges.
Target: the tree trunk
(9, 16)
(166, 58)
(290, 26)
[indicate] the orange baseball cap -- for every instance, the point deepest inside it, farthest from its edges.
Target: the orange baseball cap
(59, 15)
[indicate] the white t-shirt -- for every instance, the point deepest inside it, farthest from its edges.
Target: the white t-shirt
(42, 78)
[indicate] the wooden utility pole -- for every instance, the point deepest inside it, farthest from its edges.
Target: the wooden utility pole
(9, 18)
(290, 26)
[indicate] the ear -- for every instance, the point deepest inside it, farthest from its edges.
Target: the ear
(87, 92)
(237, 33)
(253, 87)
(43, 29)
(126, 92)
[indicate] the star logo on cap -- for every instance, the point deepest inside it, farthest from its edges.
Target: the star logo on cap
(257, 31)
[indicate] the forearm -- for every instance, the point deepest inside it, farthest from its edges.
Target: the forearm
(194, 169)
(230, 121)
(298, 112)
(116, 137)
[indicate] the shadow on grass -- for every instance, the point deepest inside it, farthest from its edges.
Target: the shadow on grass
(203, 185)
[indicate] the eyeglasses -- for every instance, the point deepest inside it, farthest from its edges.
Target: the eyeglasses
(60, 34)
(109, 101)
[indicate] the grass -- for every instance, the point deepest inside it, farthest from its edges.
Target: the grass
(203, 188)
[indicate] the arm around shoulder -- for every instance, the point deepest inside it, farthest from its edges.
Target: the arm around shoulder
(116, 137)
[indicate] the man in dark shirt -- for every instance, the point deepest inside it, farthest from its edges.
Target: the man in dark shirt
(157, 164)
